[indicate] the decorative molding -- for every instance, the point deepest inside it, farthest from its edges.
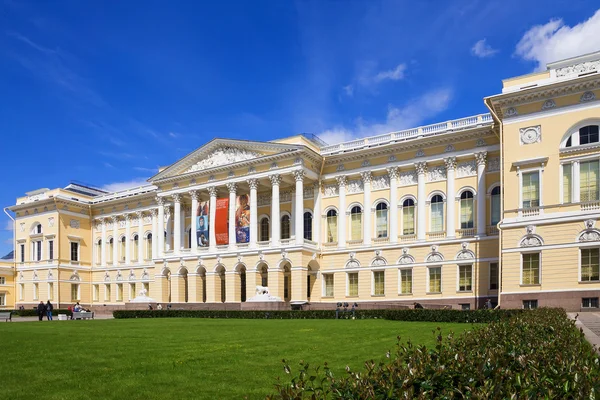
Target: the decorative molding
(392, 158)
(366, 176)
(480, 143)
(589, 234)
(273, 165)
(449, 148)
(493, 164)
(420, 153)
(264, 199)
(212, 191)
(355, 186)
(587, 96)
(275, 179)
(578, 69)
(393, 172)
(309, 192)
(531, 134)
(380, 182)
(253, 184)
(450, 163)
(511, 112)
(365, 163)
(223, 156)
(481, 157)
(22, 224)
(299, 175)
(421, 167)
(340, 168)
(176, 198)
(467, 168)
(531, 239)
(437, 173)
(230, 174)
(379, 262)
(75, 224)
(50, 222)
(408, 178)
(342, 180)
(548, 104)
(330, 190)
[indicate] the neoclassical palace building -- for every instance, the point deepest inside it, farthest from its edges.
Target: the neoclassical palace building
(501, 206)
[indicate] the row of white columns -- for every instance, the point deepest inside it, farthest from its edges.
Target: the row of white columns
(421, 168)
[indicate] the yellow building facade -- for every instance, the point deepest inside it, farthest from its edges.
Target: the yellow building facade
(449, 214)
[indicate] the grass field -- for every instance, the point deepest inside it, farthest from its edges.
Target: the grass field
(184, 358)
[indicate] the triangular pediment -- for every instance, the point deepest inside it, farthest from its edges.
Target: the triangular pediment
(223, 153)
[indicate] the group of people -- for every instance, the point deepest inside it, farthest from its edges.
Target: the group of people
(45, 309)
(158, 306)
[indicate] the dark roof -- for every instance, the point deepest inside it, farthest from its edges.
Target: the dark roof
(9, 256)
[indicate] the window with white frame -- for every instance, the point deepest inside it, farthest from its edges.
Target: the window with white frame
(107, 292)
(75, 292)
(307, 227)
(406, 282)
(131, 290)
(285, 227)
(494, 276)
(149, 247)
(264, 230)
(36, 250)
(381, 220)
(136, 247)
(2, 280)
(589, 302)
(353, 284)
(408, 217)
(495, 206)
(22, 251)
(332, 221)
(111, 246)
(96, 293)
(75, 251)
(119, 292)
(531, 268)
(122, 249)
(589, 180)
(435, 279)
(378, 283)
(585, 135)
(328, 285)
(99, 251)
(530, 304)
(465, 278)
(356, 223)
(567, 183)
(36, 291)
(531, 189)
(466, 210)
(590, 270)
(2, 299)
(437, 213)
(50, 291)
(50, 249)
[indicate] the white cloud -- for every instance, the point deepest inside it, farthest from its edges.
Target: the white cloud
(9, 226)
(118, 186)
(481, 49)
(173, 134)
(397, 118)
(556, 41)
(349, 90)
(392, 74)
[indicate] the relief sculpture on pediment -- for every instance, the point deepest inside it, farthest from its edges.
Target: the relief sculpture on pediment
(223, 156)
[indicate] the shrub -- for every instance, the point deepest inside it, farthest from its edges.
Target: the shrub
(473, 316)
(535, 354)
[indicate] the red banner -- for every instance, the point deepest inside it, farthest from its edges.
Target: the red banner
(221, 218)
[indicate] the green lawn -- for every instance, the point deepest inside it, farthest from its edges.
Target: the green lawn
(184, 358)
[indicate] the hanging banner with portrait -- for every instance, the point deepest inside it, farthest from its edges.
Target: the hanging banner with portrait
(221, 217)
(202, 233)
(242, 219)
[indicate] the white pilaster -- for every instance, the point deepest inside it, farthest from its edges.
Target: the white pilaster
(421, 170)
(232, 189)
(212, 211)
(450, 195)
(194, 228)
(154, 233)
(140, 250)
(342, 217)
(103, 244)
(177, 223)
(316, 220)
(116, 243)
(299, 211)
(393, 174)
(367, 228)
(253, 183)
(576, 177)
(127, 239)
(481, 160)
(160, 228)
(275, 217)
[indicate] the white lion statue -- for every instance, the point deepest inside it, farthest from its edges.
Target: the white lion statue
(261, 290)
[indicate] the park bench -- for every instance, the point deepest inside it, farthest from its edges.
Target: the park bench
(6, 316)
(83, 315)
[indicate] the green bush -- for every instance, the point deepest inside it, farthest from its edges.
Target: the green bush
(30, 312)
(538, 354)
(423, 315)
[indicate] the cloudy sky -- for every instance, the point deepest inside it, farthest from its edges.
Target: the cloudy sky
(106, 92)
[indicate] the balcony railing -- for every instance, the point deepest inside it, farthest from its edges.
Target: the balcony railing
(286, 242)
(381, 240)
(436, 235)
(310, 242)
(530, 212)
(407, 238)
(354, 242)
(264, 243)
(330, 244)
(492, 230)
(467, 232)
(590, 205)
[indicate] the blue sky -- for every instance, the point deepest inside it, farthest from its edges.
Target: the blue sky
(105, 92)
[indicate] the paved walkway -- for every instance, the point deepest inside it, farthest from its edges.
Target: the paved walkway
(16, 318)
(589, 322)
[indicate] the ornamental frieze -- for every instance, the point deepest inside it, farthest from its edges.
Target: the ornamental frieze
(467, 168)
(408, 178)
(223, 156)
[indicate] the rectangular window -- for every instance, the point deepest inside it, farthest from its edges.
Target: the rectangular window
(332, 229)
(36, 290)
(74, 251)
(381, 218)
(149, 246)
(328, 279)
(589, 302)
(466, 213)
(530, 304)
(22, 253)
(51, 250)
(437, 217)
(465, 278)
(406, 281)
(495, 208)
(531, 269)
(531, 189)
(50, 291)
(2, 280)
(131, 291)
(494, 276)
(379, 283)
(96, 292)
(465, 306)
(590, 270)
(353, 284)
(119, 292)
(107, 292)
(588, 180)
(408, 220)
(74, 291)
(2, 299)
(21, 291)
(566, 175)
(356, 226)
(38, 250)
(435, 280)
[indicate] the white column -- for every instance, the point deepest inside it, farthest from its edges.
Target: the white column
(253, 183)
(140, 255)
(342, 217)
(367, 228)
(232, 189)
(275, 229)
(450, 195)
(194, 228)
(393, 174)
(212, 211)
(169, 228)
(177, 223)
(127, 239)
(293, 214)
(299, 211)
(575, 173)
(421, 169)
(115, 240)
(316, 220)
(154, 233)
(481, 160)
(103, 246)
(160, 228)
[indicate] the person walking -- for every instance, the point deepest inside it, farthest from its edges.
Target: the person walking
(49, 308)
(40, 310)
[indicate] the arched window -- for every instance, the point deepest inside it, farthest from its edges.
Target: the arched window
(285, 227)
(308, 225)
(149, 247)
(136, 247)
(466, 210)
(355, 223)
(332, 226)
(408, 217)
(123, 241)
(495, 205)
(585, 135)
(437, 213)
(111, 246)
(99, 251)
(37, 229)
(264, 230)
(381, 220)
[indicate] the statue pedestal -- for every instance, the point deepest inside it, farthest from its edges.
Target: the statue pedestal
(142, 298)
(262, 295)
